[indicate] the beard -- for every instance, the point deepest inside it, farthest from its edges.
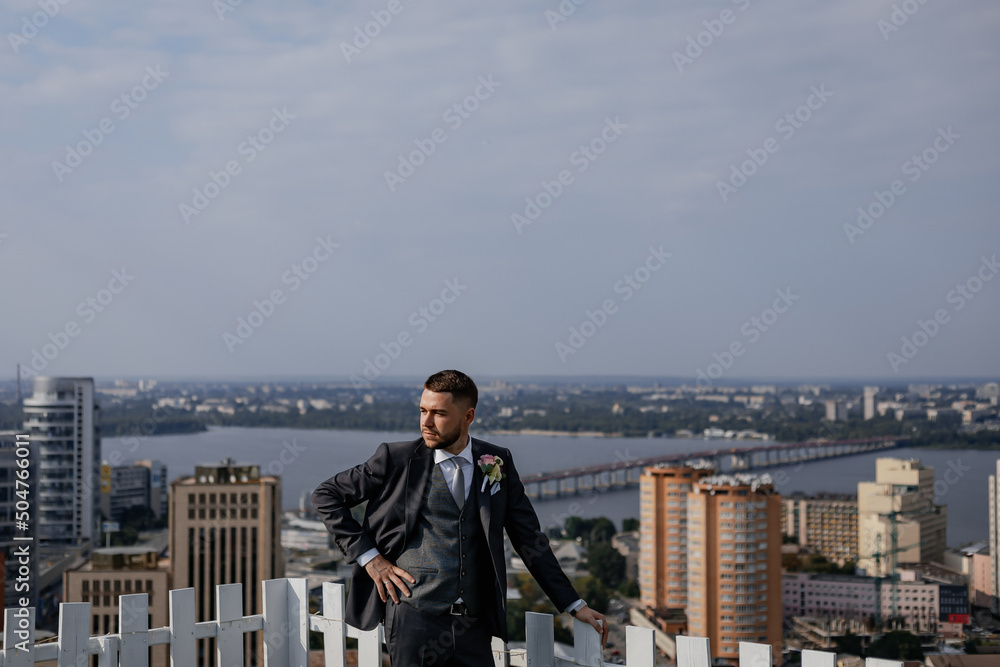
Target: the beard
(445, 440)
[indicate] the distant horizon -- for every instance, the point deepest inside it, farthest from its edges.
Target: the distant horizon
(485, 379)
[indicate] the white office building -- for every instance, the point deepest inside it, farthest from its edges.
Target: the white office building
(62, 419)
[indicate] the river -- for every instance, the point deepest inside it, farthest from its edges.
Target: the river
(305, 458)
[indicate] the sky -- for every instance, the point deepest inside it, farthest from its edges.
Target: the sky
(737, 189)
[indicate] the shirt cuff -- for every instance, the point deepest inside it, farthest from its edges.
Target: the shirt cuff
(576, 606)
(367, 556)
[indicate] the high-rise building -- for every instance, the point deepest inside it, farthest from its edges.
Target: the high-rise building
(734, 563)
(836, 411)
(994, 584)
(139, 484)
(157, 485)
(900, 500)
(11, 494)
(225, 527)
(122, 488)
(824, 524)
(869, 407)
(62, 419)
(119, 571)
(663, 540)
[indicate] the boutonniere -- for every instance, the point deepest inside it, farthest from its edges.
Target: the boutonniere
(492, 467)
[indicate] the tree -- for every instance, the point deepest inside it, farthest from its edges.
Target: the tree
(532, 599)
(630, 525)
(593, 593)
(630, 589)
(606, 564)
(849, 643)
(790, 563)
(897, 645)
(602, 530)
(577, 527)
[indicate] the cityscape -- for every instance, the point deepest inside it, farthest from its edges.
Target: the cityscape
(711, 548)
(653, 334)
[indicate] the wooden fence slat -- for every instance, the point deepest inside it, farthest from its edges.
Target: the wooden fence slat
(14, 631)
(107, 651)
(133, 624)
(183, 649)
(275, 619)
(693, 652)
(298, 619)
(587, 648)
(46, 652)
(500, 656)
(539, 636)
(755, 655)
(286, 624)
(812, 658)
(370, 647)
(228, 611)
(882, 662)
(640, 647)
(335, 636)
(74, 634)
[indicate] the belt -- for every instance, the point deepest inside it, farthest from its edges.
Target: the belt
(458, 609)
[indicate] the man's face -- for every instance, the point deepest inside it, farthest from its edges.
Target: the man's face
(443, 421)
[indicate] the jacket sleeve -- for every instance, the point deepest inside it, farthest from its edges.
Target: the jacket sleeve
(334, 498)
(531, 544)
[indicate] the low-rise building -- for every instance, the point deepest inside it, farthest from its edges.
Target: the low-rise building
(119, 571)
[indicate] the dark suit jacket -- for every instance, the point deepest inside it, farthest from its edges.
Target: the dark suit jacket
(393, 482)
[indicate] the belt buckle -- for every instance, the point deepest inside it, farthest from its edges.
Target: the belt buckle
(458, 609)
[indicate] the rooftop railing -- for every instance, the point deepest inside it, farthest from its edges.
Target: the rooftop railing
(286, 623)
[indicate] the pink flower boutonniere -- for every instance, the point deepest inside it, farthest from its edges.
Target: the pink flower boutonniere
(492, 467)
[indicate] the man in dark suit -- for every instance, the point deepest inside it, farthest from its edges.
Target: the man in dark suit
(428, 556)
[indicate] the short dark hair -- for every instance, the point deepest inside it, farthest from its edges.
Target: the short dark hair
(458, 384)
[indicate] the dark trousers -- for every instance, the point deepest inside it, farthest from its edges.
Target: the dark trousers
(418, 639)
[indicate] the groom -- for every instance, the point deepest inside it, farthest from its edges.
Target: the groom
(428, 556)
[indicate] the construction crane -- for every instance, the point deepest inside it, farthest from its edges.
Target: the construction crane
(894, 549)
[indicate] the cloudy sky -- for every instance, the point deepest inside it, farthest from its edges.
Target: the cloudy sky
(213, 188)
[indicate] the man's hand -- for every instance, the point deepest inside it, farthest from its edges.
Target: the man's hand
(388, 577)
(596, 620)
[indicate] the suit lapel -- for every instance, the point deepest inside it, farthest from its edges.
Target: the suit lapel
(482, 497)
(418, 473)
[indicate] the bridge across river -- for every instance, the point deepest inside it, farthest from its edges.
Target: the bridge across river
(625, 472)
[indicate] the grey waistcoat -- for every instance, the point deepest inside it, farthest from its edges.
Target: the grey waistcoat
(445, 552)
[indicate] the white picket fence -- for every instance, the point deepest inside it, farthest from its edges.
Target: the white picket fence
(286, 623)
